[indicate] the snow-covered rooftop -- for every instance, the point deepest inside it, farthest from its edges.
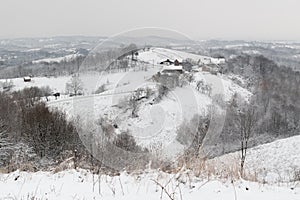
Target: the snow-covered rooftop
(172, 67)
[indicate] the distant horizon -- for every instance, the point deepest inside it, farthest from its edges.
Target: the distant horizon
(193, 39)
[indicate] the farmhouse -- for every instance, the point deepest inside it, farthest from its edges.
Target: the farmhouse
(172, 69)
(166, 62)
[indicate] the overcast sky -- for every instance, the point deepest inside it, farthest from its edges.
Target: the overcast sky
(200, 19)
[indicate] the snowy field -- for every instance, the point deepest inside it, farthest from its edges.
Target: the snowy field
(81, 185)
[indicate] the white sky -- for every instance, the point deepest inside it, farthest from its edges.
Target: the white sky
(200, 19)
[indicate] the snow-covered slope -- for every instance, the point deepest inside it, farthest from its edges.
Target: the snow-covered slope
(157, 55)
(278, 161)
(156, 123)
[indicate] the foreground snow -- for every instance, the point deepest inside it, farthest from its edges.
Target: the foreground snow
(81, 184)
(281, 156)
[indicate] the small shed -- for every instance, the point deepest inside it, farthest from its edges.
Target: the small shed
(27, 79)
(177, 63)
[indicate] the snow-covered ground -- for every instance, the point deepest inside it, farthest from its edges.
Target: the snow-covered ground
(278, 161)
(81, 184)
(55, 83)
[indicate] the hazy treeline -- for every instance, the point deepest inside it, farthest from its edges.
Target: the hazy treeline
(273, 111)
(276, 93)
(97, 60)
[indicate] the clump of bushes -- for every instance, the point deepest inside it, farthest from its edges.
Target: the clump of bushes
(127, 142)
(28, 125)
(192, 134)
(101, 88)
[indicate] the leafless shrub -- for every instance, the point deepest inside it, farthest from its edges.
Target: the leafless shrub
(74, 86)
(7, 85)
(127, 142)
(162, 91)
(192, 134)
(296, 176)
(247, 120)
(204, 88)
(132, 102)
(107, 127)
(185, 79)
(101, 88)
(171, 81)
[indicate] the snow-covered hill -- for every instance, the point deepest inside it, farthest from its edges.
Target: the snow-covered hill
(156, 123)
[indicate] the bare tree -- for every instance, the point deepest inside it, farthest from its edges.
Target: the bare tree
(74, 86)
(46, 92)
(204, 88)
(247, 120)
(192, 134)
(5, 146)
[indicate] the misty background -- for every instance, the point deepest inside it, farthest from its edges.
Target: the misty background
(204, 19)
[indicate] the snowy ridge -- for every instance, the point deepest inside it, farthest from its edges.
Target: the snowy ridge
(66, 58)
(157, 55)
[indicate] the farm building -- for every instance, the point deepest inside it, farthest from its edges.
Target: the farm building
(172, 69)
(166, 62)
(177, 63)
(27, 79)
